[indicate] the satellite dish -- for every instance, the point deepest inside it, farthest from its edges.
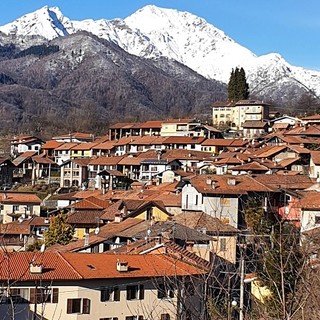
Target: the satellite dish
(97, 230)
(43, 247)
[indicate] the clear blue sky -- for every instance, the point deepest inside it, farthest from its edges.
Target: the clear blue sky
(289, 27)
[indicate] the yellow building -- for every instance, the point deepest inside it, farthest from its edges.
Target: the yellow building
(234, 114)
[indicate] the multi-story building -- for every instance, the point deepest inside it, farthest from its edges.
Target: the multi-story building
(54, 285)
(234, 114)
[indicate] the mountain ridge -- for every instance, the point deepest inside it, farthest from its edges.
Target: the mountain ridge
(177, 35)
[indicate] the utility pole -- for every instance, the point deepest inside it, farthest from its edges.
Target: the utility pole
(241, 311)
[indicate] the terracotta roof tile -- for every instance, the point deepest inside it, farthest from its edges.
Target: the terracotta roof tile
(310, 200)
(201, 220)
(84, 146)
(315, 156)
(85, 217)
(227, 184)
(106, 160)
(19, 197)
(225, 142)
(285, 181)
(107, 145)
(251, 166)
(51, 144)
(66, 146)
(81, 266)
(14, 229)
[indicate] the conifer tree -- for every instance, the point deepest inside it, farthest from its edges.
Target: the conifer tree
(238, 88)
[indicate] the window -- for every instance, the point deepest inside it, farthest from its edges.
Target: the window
(317, 219)
(135, 292)
(42, 295)
(165, 291)
(77, 305)
(109, 318)
(15, 295)
(165, 316)
(109, 294)
(223, 244)
(73, 306)
(134, 318)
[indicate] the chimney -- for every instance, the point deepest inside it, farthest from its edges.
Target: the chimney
(35, 268)
(86, 239)
(157, 240)
(122, 266)
(118, 217)
(231, 181)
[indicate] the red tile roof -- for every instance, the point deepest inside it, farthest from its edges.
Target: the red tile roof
(19, 197)
(66, 146)
(84, 146)
(106, 160)
(315, 156)
(51, 144)
(227, 184)
(225, 142)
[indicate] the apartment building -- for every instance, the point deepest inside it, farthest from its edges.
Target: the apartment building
(234, 114)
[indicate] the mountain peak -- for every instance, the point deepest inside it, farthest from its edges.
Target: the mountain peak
(47, 22)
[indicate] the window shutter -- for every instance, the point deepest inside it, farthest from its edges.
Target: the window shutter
(116, 294)
(55, 295)
(129, 293)
(69, 306)
(161, 291)
(141, 292)
(86, 306)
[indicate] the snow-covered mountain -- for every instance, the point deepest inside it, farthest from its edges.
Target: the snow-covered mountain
(153, 32)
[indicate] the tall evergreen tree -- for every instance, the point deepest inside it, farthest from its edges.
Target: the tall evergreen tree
(238, 88)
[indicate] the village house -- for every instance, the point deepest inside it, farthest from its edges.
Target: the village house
(74, 172)
(148, 128)
(223, 236)
(63, 152)
(178, 127)
(223, 196)
(77, 137)
(18, 204)
(79, 286)
(25, 143)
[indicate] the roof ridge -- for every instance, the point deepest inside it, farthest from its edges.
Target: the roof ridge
(69, 264)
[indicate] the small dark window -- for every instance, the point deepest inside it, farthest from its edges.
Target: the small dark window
(165, 316)
(73, 306)
(116, 294)
(132, 292)
(104, 294)
(141, 292)
(55, 295)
